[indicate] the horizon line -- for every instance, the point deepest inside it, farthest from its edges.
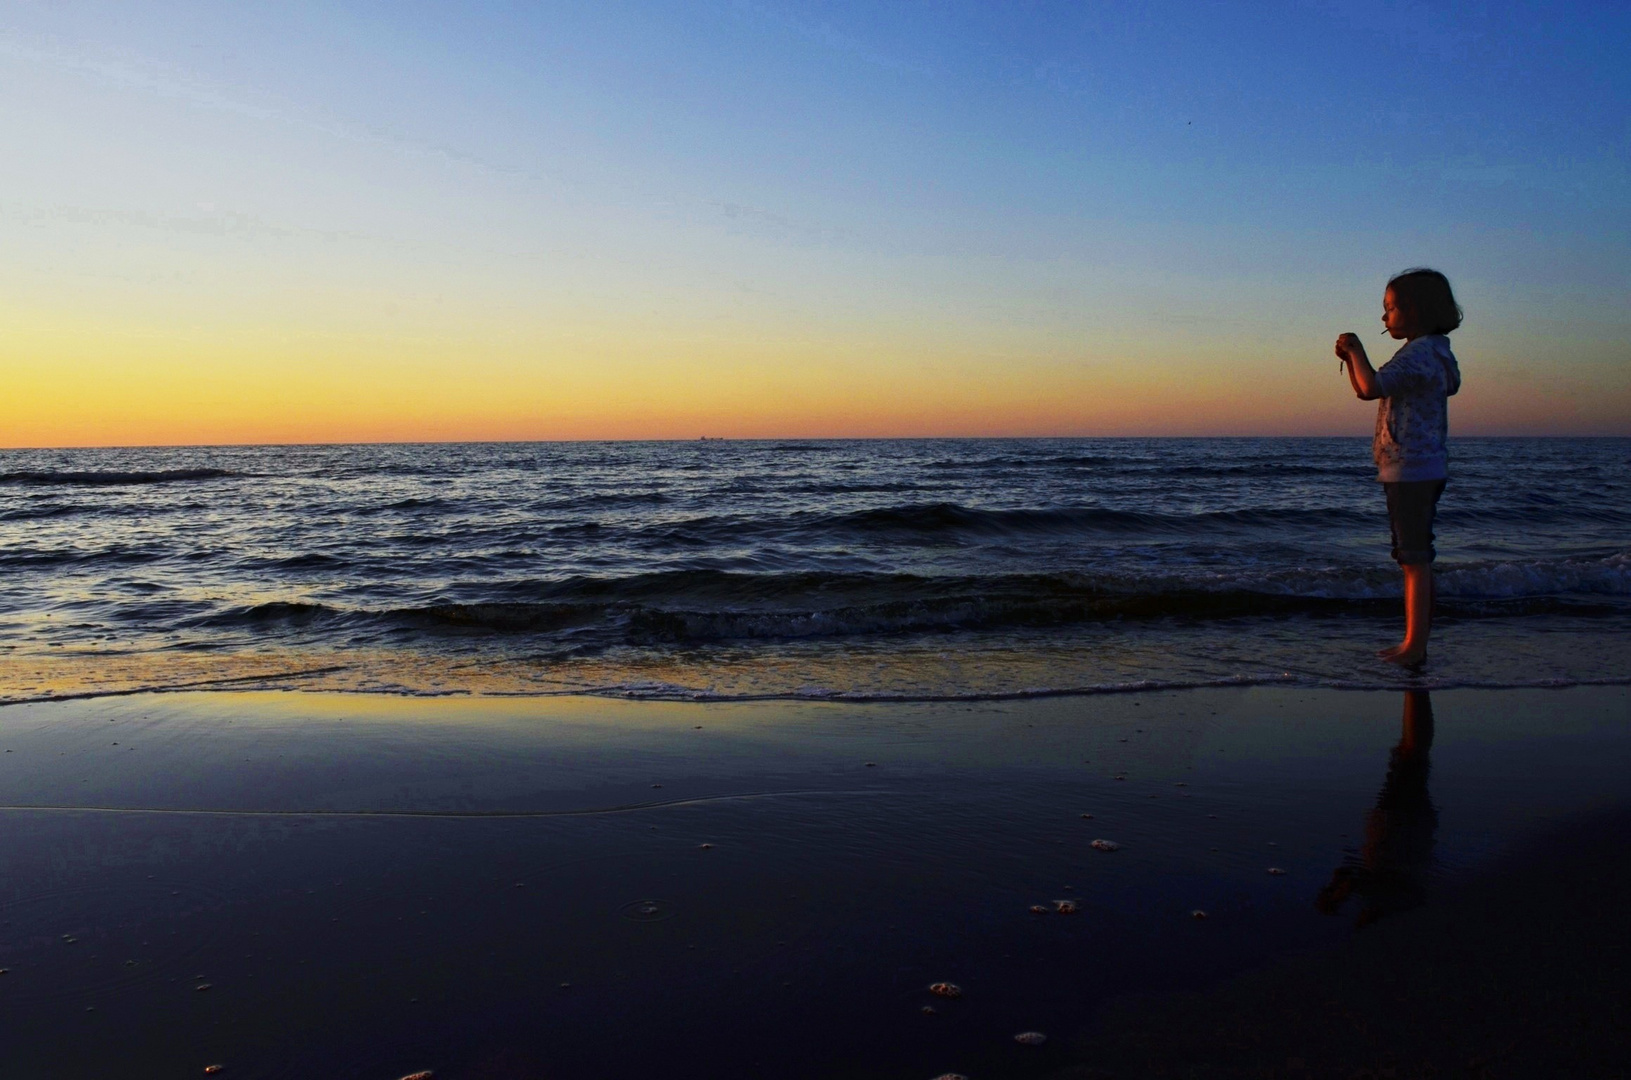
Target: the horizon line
(750, 439)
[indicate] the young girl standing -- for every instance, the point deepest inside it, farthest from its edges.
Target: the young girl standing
(1412, 464)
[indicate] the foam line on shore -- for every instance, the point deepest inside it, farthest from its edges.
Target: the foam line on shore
(250, 682)
(675, 693)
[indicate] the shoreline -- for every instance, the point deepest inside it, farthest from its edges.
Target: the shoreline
(277, 684)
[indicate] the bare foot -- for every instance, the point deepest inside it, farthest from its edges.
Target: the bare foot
(1404, 655)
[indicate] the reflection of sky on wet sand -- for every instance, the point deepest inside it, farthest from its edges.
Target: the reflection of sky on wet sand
(323, 861)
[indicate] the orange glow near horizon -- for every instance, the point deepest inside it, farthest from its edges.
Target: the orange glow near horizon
(133, 385)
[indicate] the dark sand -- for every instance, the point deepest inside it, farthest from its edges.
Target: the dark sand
(1523, 970)
(356, 886)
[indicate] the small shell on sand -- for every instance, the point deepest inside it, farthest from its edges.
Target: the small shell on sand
(705, 847)
(1105, 845)
(946, 990)
(1065, 907)
(211, 1070)
(1030, 1038)
(951, 1076)
(1276, 871)
(422, 1074)
(1087, 817)
(929, 1010)
(1197, 914)
(202, 986)
(1038, 909)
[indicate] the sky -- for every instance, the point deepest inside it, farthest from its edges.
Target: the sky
(403, 220)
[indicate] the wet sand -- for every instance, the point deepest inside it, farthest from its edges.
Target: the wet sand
(366, 886)
(1522, 970)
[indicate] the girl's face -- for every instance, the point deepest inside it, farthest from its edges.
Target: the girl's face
(1396, 319)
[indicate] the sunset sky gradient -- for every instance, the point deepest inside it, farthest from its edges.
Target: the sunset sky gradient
(304, 222)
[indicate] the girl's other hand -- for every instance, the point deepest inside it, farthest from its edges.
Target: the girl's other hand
(1349, 347)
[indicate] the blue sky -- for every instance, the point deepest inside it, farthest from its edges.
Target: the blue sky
(852, 202)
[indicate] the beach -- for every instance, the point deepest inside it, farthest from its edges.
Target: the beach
(587, 760)
(373, 885)
(788, 541)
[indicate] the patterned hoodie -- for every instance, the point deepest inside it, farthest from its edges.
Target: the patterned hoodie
(1412, 418)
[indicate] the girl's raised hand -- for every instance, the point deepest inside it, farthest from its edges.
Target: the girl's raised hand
(1349, 347)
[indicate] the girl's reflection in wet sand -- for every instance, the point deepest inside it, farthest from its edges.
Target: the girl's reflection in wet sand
(1390, 871)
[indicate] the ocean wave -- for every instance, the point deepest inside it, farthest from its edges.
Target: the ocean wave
(50, 478)
(31, 558)
(656, 690)
(1606, 576)
(41, 512)
(1535, 508)
(605, 500)
(1261, 469)
(953, 518)
(287, 611)
(1020, 461)
(683, 607)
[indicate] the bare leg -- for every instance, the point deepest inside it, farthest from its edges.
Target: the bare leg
(1418, 615)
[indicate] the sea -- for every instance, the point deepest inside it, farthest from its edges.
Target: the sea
(849, 570)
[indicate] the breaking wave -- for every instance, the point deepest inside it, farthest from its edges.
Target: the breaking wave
(706, 605)
(110, 479)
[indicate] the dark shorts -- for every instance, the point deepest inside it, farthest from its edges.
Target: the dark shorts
(1411, 505)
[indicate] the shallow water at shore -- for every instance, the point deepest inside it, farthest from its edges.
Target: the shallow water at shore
(910, 569)
(408, 883)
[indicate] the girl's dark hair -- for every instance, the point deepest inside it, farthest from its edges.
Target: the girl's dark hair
(1426, 295)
